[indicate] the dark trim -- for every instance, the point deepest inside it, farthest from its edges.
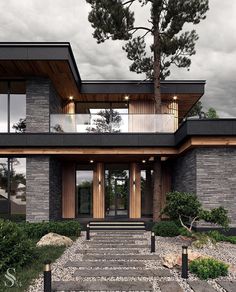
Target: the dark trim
(190, 128)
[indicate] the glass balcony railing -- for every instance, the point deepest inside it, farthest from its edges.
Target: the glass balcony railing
(122, 123)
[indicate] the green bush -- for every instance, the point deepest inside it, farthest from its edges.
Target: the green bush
(208, 268)
(184, 232)
(166, 229)
(37, 230)
(221, 237)
(15, 248)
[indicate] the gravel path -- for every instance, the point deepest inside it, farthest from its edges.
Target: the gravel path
(62, 271)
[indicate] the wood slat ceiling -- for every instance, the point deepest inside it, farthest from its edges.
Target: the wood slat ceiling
(58, 71)
(60, 74)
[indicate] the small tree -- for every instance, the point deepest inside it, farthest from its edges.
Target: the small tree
(186, 208)
(20, 126)
(212, 114)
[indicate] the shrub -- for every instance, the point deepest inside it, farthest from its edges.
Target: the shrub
(166, 229)
(184, 232)
(15, 248)
(202, 239)
(208, 268)
(37, 230)
(221, 237)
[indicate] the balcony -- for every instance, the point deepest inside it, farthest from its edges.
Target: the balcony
(121, 123)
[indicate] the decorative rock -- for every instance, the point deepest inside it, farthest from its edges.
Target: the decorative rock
(173, 259)
(55, 240)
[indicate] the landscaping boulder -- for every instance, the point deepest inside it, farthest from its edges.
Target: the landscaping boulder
(175, 260)
(55, 240)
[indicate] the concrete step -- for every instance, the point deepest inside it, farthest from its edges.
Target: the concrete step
(116, 225)
(229, 286)
(117, 240)
(201, 286)
(104, 264)
(121, 241)
(118, 245)
(123, 273)
(108, 251)
(137, 257)
(102, 286)
(168, 286)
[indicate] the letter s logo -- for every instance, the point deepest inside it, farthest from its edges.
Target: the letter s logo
(10, 277)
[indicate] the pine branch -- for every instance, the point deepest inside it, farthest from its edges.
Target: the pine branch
(141, 28)
(128, 2)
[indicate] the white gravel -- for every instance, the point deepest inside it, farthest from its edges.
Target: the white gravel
(222, 251)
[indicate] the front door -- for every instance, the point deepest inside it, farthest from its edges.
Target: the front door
(116, 191)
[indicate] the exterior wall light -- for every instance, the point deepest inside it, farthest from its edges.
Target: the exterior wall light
(71, 97)
(143, 161)
(134, 182)
(175, 97)
(99, 182)
(126, 97)
(91, 161)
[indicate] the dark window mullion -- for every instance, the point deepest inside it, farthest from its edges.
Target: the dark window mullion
(8, 108)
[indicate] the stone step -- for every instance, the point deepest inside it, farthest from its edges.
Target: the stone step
(170, 286)
(114, 235)
(102, 286)
(200, 286)
(111, 242)
(104, 264)
(123, 273)
(118, 245)
(108, 251)
(229, 286)
(115, 240)
(142, 257)
(117, 232)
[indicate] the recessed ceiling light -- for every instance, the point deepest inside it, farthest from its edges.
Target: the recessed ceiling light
(143, 161)
(126, 97)
(91, 161)
(175, 97)
(151, 158)
(71, 97)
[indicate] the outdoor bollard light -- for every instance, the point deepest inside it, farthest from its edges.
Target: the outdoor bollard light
(47, 276)
(184, 262)
(87, 233)
(153, 248)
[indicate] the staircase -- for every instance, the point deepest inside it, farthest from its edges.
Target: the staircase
(117, 225)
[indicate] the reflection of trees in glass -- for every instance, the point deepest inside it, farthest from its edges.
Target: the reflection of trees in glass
(17, 180)
(20, 126)
(110, 188)
(58, 128)
(109, 121)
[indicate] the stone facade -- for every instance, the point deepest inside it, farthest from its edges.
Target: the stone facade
(43, 173)
(211, 174)
(41, 100)
(184, 173)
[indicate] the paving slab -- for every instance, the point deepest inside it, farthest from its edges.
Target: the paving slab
(170, 286)
(143, 257)
(119, 245)
(123, 273)
(102, 286)
(108, 251)
(114, 239)
(104, 264)
(201, 286)
(229, 286)
(111, 241)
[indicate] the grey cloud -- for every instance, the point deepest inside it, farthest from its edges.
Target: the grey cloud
(60, 20)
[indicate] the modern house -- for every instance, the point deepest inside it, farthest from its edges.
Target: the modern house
(71, 148)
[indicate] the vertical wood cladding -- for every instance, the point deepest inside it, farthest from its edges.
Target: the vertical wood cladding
(68, 190)
(135, 191)
(98, 192)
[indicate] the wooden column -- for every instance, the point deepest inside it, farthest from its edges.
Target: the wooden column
(157, 190)
(98, 191)
(135, 192)
(68, 190)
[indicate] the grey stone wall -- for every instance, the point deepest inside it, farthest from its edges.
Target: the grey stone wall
(184, 173)
(211, 174)
(43, 189)
(37, 188)
(41, 100)
(216, 179)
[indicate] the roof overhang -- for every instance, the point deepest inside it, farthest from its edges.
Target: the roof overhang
(56, 62)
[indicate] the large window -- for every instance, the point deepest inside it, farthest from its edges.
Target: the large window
(84, 191)
(12, 187)
(12, 106)
(147, 192)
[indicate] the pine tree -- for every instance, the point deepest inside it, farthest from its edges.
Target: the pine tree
(171, 44)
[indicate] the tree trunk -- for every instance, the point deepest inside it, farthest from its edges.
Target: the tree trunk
(157, 194)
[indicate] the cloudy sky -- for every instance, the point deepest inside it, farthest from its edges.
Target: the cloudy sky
(60, 20)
